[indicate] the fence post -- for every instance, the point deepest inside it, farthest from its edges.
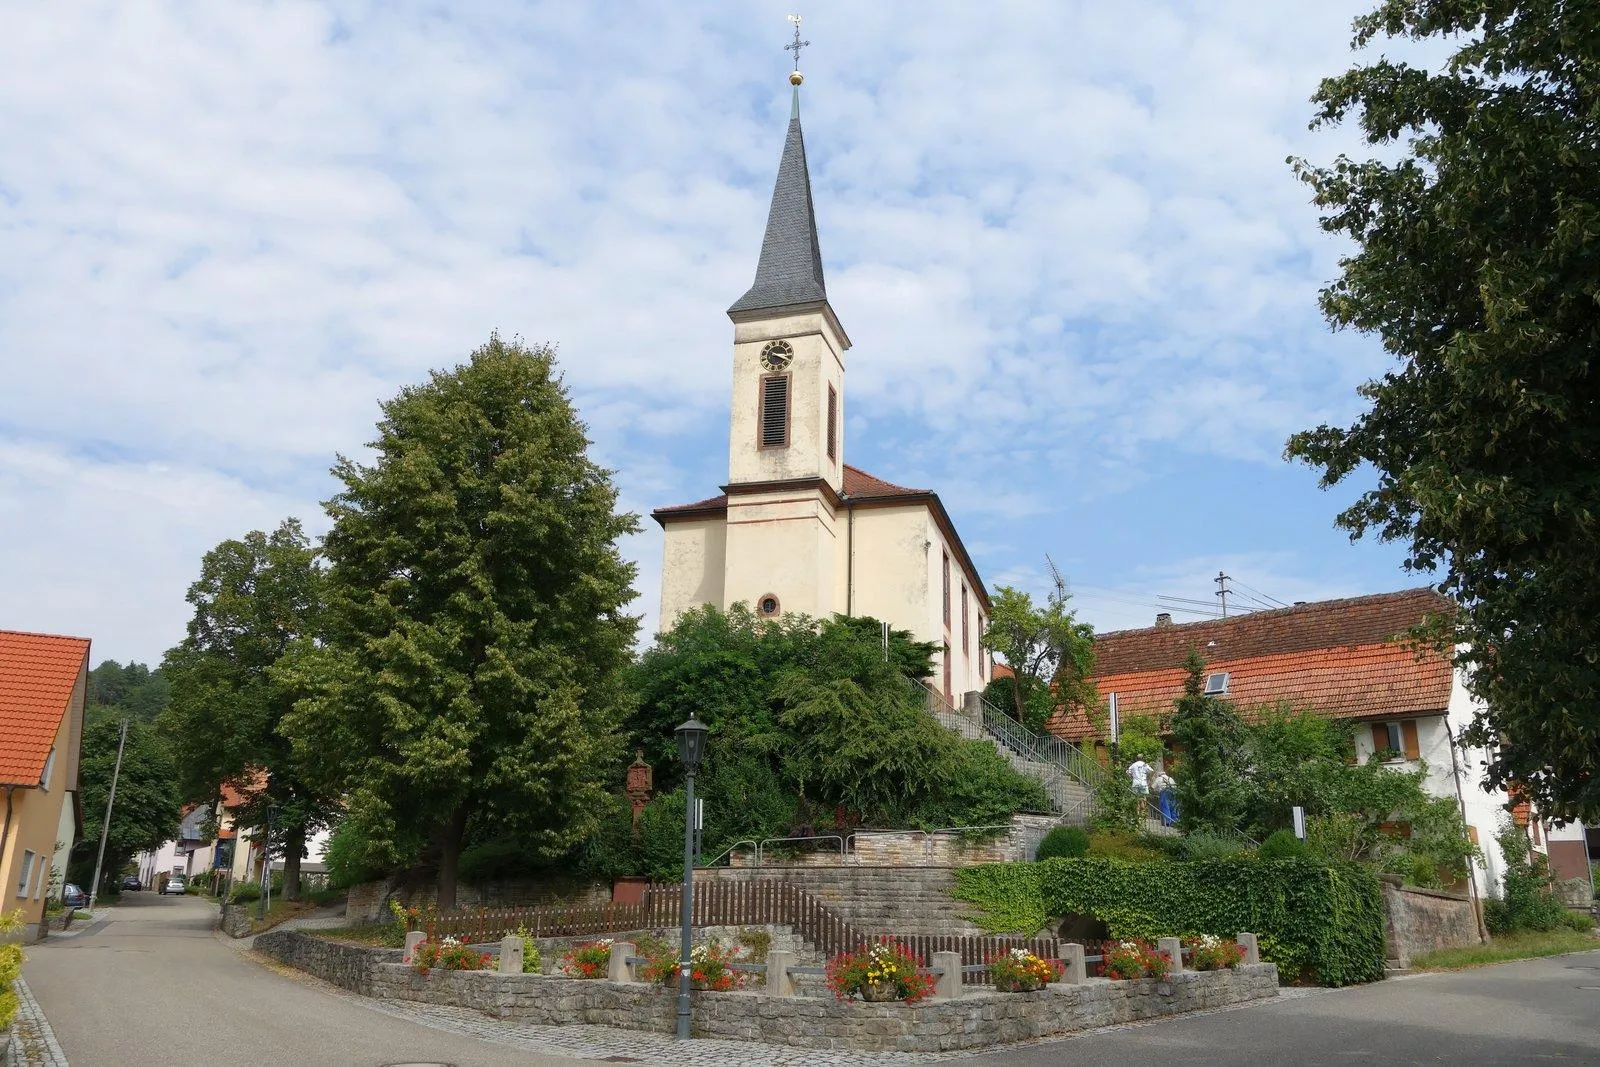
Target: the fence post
(947, 986)
(1172, 948)
(1252, 949)
(618, 969)
(510, 955)
(1075, 972)
(779, 984)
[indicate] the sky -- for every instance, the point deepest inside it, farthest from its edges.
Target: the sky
(1079, 275)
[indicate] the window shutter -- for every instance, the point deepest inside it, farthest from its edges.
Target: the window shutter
(1408, 731)
(833, 423)
(1380, 736)
(774, 430)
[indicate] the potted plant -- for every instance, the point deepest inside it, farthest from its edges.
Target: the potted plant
(447, 954)
(590, 960)
(710, 967)
(1020, 971)
(885, 971)
(1211, 953)
(1129, 960)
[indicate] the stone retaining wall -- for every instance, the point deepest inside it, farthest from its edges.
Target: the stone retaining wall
(235, 919)
(1419, 921)
(973, 1020)
(909, 900)
(369, 901)
(914, 848)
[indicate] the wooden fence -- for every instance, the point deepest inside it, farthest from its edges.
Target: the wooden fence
(753, 903)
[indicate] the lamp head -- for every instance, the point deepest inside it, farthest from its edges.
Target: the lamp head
(692, 743)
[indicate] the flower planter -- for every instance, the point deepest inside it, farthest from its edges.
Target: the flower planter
(1017, 985)
(880, 992)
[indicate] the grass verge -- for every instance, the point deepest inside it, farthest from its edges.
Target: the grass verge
(1506, 947)
(375, 935)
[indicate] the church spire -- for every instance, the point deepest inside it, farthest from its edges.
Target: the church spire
(790, 269)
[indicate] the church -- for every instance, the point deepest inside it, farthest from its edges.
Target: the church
(796, 528)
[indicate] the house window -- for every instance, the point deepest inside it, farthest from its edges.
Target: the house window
(49, 766)
(1217, 684)
(28, 856)
(773, 431)
(947, 591)
(1394, 741)
(965, 647)
(833, 423)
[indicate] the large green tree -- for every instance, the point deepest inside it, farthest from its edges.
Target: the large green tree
(1211, 788)
(475, 641)
(1050, 653)
(148, 803)
(255, 597)
(1476, 265)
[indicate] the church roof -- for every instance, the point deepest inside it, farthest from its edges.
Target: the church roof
(858, 485)
(790, 269)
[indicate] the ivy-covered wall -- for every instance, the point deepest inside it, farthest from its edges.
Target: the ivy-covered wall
(1321, 922)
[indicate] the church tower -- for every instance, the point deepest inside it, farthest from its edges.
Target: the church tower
(786, 433)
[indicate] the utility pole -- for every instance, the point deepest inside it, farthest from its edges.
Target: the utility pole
(1222, 581)
(105, 829)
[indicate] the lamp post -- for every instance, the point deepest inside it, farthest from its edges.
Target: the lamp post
(691, 746)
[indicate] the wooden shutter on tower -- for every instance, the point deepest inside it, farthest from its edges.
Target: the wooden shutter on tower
(1408, 734)
(774, 428)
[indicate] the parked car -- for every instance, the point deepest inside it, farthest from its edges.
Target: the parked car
(73, 897)
(175, 885)
(131, 881)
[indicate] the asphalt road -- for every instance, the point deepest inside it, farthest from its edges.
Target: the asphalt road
(155, 987)
(1535, 1011)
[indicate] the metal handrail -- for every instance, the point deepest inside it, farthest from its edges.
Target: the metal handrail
(764, 842)
(729, 851)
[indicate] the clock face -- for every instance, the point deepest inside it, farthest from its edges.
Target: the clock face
(776, 356)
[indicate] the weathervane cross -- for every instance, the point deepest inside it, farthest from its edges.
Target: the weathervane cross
(798, 43)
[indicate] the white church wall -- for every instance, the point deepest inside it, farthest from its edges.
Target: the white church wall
(818, 362)
(888, 578)
(693, 564)
(783, 543)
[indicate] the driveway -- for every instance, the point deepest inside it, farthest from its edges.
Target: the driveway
(154, 986)
(1532, 1011)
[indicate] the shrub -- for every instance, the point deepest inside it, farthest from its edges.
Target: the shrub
(710, 967)
(1114, 845)
(1129, 960)
(1211, 953)
(1317, 921)
(1281, 845)
(1020, 971)
(1201, 847)
(1064, 842)
(245, 893)
(1577, 920)
(11, 960)
(447, 954)
(887, 962)
(591, 960)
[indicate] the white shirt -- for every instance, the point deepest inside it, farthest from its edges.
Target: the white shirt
(1139, 775)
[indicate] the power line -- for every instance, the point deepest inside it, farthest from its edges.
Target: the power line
(1259, 593)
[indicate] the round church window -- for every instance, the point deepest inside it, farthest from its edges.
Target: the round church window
(767, 605)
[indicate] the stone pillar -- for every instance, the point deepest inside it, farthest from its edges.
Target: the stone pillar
(413, 939)
(618, 969)
(510, 955)
(1252, 950)
(779, 984)
(947, 986)
(1075, 971)
(972, 705)
(1173, 949)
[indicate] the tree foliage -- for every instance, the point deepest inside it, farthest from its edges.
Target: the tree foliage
(1476, 268)
(147, 809)
(1050, 653)
(255, 597)
(472, 667)
(1211, 788)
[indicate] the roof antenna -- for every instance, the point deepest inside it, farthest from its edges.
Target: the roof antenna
(1055, 574)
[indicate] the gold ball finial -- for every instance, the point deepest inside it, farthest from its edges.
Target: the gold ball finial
(795, 78)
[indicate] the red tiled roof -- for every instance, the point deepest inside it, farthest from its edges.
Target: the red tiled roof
(857, 483)
(37, 676)
(1340, 658)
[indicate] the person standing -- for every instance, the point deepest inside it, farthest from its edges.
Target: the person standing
(1165, 801)
(1139, 777)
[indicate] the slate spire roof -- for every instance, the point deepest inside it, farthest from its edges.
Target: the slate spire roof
(790, 269)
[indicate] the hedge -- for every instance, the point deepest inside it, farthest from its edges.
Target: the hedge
(1318, 922)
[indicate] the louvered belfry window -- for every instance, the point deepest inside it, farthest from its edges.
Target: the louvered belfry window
(833, 423)
(774, 428)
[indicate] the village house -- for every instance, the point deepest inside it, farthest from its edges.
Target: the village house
(1341, 658)
(796, 529)
(44, 681)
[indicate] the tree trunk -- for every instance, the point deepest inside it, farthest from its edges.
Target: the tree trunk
(450, 838)
(294, 849)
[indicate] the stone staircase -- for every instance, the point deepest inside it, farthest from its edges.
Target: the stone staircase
(1068, 776)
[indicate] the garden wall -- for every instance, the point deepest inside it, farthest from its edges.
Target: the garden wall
(1419, 921)
(368, 901)
(973, 1020)
(907, 900)
(235, 919)
(915, 848)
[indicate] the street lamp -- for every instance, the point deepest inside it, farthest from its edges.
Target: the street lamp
(691, 747)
